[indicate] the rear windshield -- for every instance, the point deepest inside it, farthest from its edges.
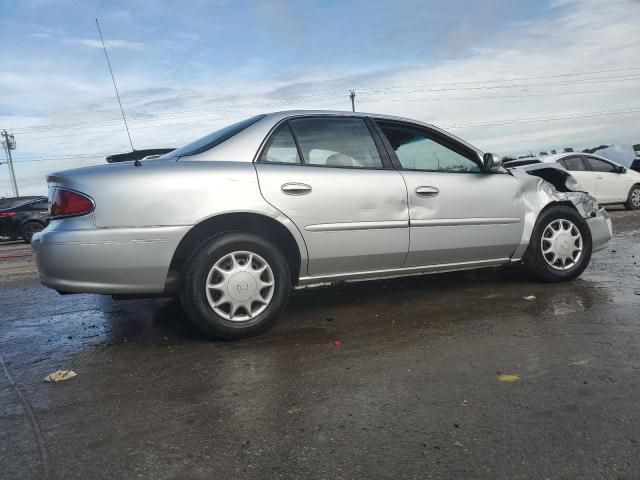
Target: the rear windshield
(214, 139)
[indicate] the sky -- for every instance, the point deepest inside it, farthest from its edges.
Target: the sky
(508, 76)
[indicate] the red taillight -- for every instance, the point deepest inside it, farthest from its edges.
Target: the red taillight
(65, 203)
(7, 214)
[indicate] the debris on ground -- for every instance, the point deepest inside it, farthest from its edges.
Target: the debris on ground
(580, 362)
(507, 377)
(458, 444)
(530, 297)
(60, 376)
(337, 343)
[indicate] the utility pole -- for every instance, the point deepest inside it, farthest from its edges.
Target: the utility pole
(352, 96)
(9, 143)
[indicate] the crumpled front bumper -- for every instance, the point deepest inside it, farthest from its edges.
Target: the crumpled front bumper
(601, 231)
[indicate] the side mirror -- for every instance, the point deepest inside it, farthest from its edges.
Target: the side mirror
(491, 162)
(622, 170)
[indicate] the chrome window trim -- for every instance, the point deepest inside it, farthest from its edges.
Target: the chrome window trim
(438, 133)
(385, 159)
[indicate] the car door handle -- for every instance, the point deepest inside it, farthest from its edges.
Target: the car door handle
(427, 191)
(600, 177)
(295, 188)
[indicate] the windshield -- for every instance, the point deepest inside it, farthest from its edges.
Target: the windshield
(213, 139)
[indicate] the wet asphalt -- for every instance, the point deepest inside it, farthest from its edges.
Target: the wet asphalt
(401, 378)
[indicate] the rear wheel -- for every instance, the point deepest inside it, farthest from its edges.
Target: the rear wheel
(633, 200)
(235, 285)
(560, 245)
(29, 229)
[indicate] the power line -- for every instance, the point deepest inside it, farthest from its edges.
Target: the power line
(384, 91)
(381, 91)
(173, 118)
(33, 158)
(544, 119)
(156, 125)
(498, 97)
(572, 116)
(518, 79)
(186, 113)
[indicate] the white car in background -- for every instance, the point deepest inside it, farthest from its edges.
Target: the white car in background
(603, 179)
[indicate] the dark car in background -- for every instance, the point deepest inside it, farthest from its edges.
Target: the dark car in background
(22, 217)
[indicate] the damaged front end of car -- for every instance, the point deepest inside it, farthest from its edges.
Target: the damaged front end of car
(550, 184)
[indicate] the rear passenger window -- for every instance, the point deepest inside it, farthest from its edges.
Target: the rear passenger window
(573, 164)
(282, 147)
(336, 142)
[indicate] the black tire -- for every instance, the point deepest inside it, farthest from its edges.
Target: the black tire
(633, 200)
(534, 258)
(193, 288)
(29, 229)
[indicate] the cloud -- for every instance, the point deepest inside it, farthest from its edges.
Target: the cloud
(564, 49)
(40, 35)
(110, 44)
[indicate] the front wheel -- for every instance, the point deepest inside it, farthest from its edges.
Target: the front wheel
(235, 285)
(633, 200)
(560, 245)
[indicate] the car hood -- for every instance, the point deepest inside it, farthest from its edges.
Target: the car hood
(545, 183)
(552, 173)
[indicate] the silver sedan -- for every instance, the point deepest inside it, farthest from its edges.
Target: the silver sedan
(233, 221)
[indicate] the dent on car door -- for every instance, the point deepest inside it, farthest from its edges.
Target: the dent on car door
(458, 213)
(327, 175)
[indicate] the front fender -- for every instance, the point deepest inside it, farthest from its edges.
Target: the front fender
(543, 185)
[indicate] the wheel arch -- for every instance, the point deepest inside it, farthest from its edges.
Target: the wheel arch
(530, 223)
(263, 225)
(31, 220)
(628, 202)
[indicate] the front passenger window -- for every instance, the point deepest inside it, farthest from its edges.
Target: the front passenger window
(600, 166)
(420, 150)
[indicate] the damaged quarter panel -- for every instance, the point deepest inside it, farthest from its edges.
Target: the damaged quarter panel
(545, 184)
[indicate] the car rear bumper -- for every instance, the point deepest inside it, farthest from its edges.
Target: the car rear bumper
(601, 231)
(106, 260)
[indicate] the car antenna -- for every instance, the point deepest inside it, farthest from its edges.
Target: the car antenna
(124, 119)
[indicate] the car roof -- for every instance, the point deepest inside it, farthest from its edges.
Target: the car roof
(559, 156)
(276, 117)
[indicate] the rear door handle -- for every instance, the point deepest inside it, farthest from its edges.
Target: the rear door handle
(600, 177)
(295, 188)
(427, 191)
